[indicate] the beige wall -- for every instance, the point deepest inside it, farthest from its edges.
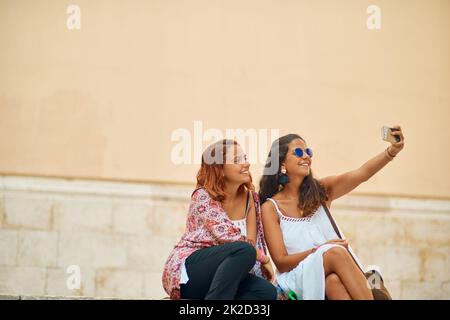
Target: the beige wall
(102, 102)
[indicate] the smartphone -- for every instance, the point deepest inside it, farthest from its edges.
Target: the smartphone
(386, 134)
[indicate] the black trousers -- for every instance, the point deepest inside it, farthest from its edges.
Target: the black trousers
(222, 273)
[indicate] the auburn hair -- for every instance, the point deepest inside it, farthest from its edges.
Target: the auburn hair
(210, 176)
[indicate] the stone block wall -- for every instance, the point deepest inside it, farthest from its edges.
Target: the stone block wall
(119, 235)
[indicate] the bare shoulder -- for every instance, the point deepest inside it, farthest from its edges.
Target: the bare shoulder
(325, 180)
(267, 206)
(327, 183)
(268, 210)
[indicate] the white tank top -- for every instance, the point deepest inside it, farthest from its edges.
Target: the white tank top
(242, 223)
(302, 234)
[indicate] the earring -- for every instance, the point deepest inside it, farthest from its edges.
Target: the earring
(283, 178)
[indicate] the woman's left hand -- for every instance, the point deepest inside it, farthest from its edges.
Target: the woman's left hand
(267, 271)
(396, 147)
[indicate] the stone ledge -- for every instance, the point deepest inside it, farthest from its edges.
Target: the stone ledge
(170, 192)
(96, 188)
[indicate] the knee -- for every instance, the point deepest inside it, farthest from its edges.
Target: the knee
(246, 250)
(270, 292)
(267, 291)
(332, 280)
(337, 254)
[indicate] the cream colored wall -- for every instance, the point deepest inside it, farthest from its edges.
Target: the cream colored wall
(102, 102)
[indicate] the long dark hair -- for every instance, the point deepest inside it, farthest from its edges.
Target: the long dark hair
(311, 192)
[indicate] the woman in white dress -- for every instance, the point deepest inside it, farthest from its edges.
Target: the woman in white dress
(311, 260)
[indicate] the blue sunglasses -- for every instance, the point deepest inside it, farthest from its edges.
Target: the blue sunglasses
(299, 152)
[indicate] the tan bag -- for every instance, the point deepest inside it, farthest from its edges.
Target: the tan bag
(380, 293)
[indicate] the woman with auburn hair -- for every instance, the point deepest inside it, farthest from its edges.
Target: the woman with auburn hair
(222, 254)
(311, 259)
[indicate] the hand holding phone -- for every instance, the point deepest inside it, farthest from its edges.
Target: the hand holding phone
(386, 135)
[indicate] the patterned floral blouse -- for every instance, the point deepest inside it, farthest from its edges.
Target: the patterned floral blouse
(207, 225)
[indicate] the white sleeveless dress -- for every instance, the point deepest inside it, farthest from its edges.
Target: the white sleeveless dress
(307, 279)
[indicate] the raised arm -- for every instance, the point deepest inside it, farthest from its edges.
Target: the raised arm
(339, 185)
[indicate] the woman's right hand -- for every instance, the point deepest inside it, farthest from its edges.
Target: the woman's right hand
(267, 270)
(341, 242)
